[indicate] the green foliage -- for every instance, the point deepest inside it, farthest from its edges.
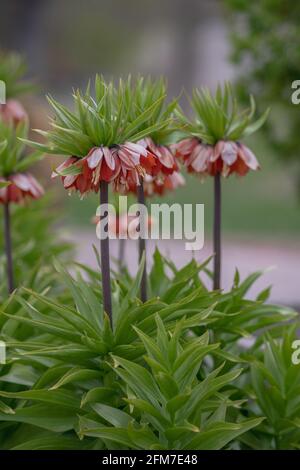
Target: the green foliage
(83, 327)
(174, 372)
(12, 150)
(12, 70)
(113, 116)
(168, 407)
(218, 118)
(145, 92)
(232, 317)
(266, 48)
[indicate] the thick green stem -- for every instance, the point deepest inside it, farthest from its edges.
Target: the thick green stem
(105, 261)
(8, 249)
(217, 231)
(142, 246)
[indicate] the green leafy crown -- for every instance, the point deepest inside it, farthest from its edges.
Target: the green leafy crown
(12, 70)
(218, 117)
(144, 93)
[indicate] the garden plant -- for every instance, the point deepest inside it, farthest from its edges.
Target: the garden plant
(259, 44)
(99, 359)
(17, 184)
(214, 147)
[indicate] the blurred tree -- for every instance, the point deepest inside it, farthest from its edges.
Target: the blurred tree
(266, 45)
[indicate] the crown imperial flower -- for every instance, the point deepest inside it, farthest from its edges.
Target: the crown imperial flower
(226, 157)
(213, 147)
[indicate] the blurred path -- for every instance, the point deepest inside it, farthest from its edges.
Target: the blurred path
(248, 256)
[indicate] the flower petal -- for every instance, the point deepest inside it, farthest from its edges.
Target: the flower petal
(176, 179)
(166, 158)
(110, 161)
(185, 147)
(36, 189)
(229, 153)
(94, 156)
(69, 180)
(14, 111)
(136, 148)
(3, 194)
(22, 181)
(63, 166)
(239, 167)
(218, 149)
(125, 157)
(14, 194)
(201, 160)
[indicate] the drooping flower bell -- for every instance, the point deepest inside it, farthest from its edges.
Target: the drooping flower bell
(226, 157)
(120, 163)
(22, 186)
(158, 166)
(232, 157)
(13, 111)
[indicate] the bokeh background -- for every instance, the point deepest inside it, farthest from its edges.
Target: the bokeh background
(192, 43)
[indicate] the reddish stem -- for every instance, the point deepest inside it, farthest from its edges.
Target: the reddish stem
(142, 246)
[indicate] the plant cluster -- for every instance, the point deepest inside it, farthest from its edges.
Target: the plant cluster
(173, 374)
